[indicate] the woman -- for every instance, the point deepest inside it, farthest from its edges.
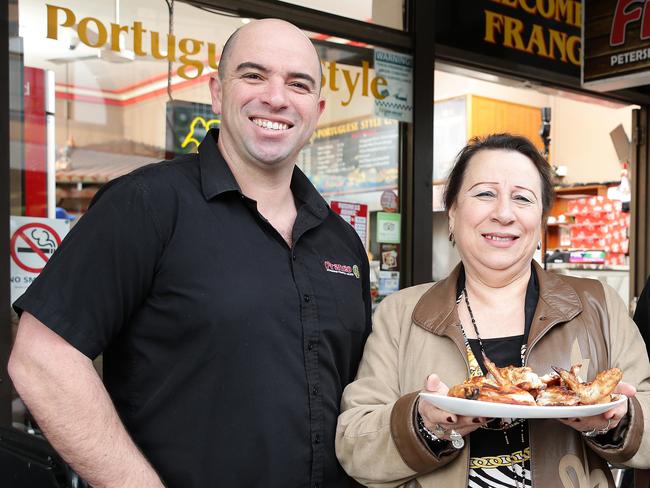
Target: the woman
(499, 302)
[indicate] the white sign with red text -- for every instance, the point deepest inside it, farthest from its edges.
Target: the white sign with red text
(355, 214)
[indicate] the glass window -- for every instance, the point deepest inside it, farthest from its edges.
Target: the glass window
(109, 86)
(588, 144)
(353, 156)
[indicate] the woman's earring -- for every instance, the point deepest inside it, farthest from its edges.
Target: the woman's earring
(451, 239)
(539, 245)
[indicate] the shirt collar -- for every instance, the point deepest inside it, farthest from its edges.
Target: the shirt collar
(216, 177)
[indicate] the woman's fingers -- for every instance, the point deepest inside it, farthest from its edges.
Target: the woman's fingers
(626, 389)
(433, 384)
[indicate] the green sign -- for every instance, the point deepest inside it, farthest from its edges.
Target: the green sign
(388, 227)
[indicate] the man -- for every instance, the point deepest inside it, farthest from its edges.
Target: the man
(230, 303)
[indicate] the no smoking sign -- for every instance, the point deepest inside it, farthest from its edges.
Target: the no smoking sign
(33, 241)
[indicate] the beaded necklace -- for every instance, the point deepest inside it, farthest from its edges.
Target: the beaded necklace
(502, 424)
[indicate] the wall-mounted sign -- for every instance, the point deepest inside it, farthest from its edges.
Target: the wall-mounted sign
(616, 40)
(32, 241)
(355, 156)
(388, 228)
(397, 96)
(355, 214)
(542, 34)
(186, 125)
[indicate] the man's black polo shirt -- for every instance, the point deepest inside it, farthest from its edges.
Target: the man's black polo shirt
(225, 351)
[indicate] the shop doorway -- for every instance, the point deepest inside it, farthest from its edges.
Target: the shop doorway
(589, 145)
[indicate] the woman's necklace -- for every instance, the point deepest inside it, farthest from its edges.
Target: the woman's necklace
(504, 426)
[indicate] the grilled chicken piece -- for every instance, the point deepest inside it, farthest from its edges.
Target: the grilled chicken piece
(485, 389)
(470, 389)
(551, 379)
(557, 396)
(505, 394)
(597, 391)
(522, 377)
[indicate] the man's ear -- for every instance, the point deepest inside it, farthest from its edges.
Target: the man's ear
(216, 92)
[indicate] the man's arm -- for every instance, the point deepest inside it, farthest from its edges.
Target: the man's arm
(60, 387)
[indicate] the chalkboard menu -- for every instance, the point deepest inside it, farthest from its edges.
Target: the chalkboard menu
(355, 156)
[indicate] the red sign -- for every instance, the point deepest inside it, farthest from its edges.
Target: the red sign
(32, 246)
(355, 214)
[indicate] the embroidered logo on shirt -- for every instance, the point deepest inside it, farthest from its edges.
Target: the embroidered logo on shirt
(343, 269)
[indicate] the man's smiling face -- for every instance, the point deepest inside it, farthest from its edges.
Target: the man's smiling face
(268, 96)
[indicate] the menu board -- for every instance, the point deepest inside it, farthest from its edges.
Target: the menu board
(360, 155)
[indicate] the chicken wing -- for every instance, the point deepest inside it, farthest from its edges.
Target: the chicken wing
(470, 388)
(597, 391)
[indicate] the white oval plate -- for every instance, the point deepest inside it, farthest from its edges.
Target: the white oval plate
(475, 408)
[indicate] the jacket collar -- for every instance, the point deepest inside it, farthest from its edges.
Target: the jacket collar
(558, 302)
(216, 178)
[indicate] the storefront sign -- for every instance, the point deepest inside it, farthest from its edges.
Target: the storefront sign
(352, 82)
(94, 33)
(32, 242)
(616, 39)
(537, 33)
(396, 101)
(356, 156)
(195, 55)
(388, 228)
(355, 214)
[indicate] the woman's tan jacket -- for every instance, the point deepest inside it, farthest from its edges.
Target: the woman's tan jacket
(416, 332)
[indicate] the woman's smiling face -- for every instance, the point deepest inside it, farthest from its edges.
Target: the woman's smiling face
(497, 216)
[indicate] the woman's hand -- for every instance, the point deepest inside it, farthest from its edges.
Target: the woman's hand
(604, 421)
(440, 422)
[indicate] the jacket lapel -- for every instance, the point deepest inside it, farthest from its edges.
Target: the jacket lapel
(558, 303)
(436, 310)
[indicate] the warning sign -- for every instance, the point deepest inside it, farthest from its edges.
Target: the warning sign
(32, 242)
